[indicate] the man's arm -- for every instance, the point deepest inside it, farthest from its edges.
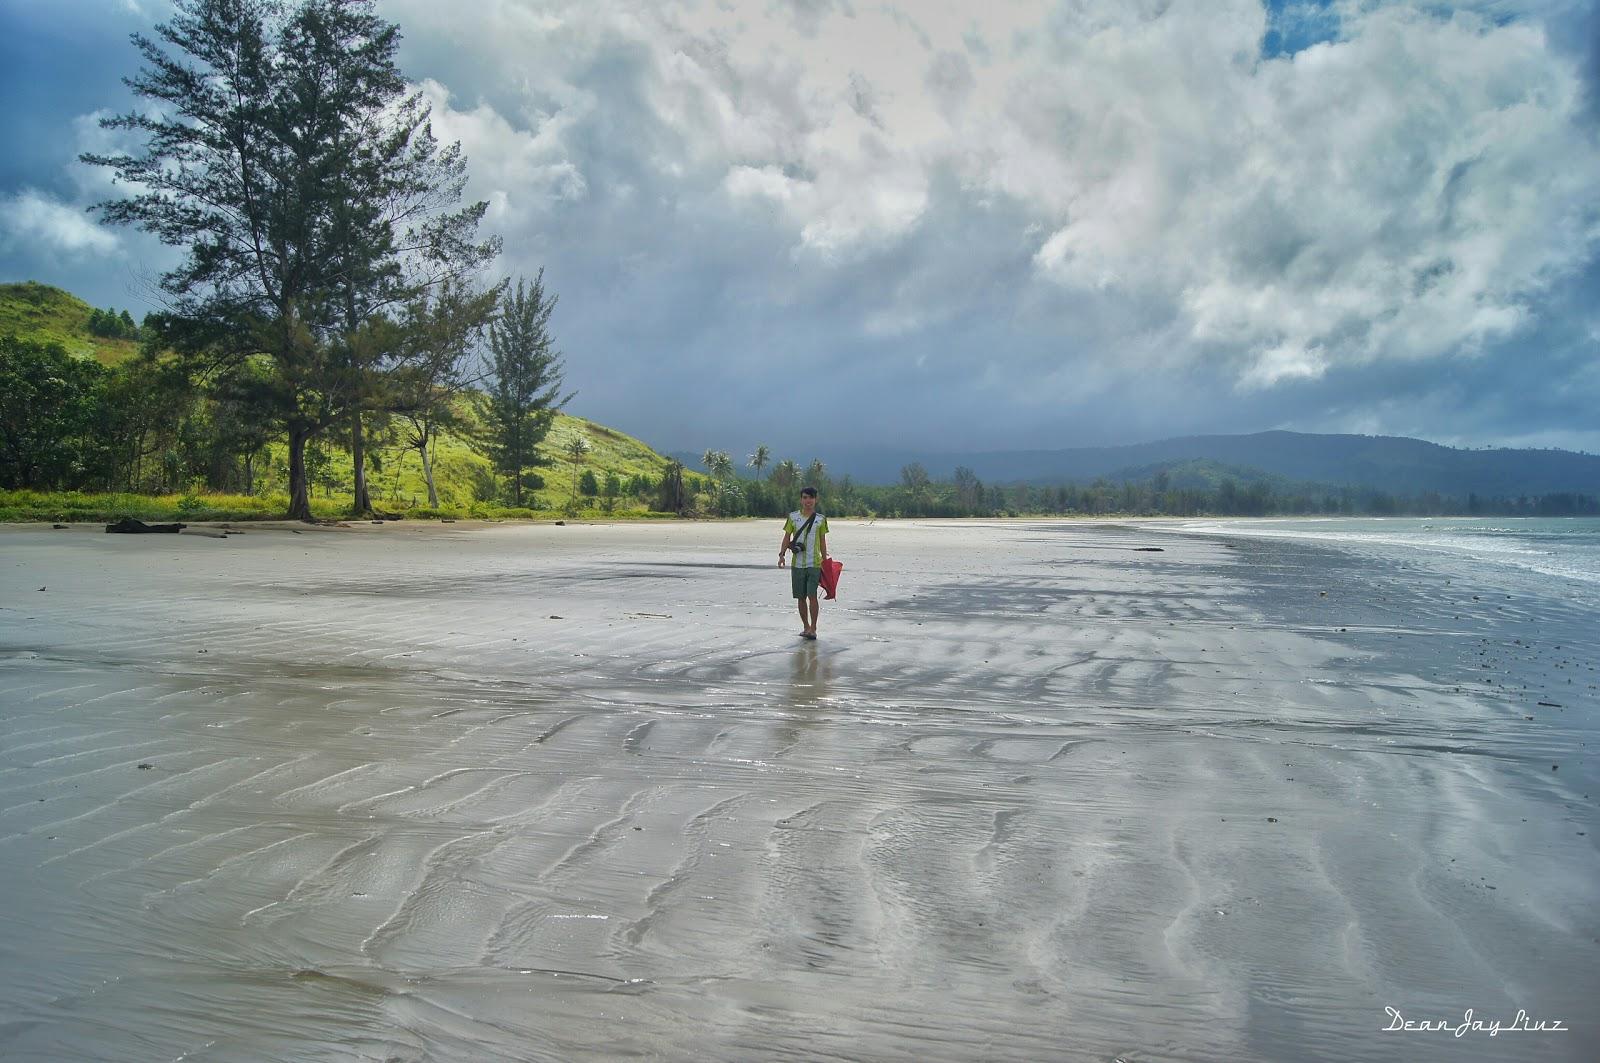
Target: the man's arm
(822, 542)
(783, 551)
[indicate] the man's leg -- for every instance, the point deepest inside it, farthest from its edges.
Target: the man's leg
(805, 622)
(815, 608)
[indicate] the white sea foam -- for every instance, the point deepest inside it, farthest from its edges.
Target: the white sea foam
(1565, 549)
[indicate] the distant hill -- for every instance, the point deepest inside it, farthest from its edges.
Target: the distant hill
(1387, 463)
(35, 311)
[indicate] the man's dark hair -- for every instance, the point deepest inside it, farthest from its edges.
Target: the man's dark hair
(809, 492)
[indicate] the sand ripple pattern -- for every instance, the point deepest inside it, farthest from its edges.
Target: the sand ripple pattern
(579, 793)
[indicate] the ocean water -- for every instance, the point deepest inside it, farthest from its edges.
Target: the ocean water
(1560, 553)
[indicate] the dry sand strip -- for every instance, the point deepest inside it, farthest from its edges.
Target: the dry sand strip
(537, 792)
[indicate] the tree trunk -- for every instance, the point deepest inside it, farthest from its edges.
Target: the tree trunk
(299, 498)
(250, 473)
(516, 487)
(358, 451)
(427, 474)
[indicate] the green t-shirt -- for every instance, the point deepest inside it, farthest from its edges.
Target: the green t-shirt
(809, 556)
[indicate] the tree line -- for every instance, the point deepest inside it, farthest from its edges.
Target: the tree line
(774, 493)
(111, 325)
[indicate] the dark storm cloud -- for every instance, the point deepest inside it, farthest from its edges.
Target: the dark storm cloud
(826, 226)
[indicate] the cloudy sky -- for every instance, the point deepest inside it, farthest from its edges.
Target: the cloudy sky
(960, 225)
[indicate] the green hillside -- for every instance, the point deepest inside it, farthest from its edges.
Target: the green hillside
(464, 480)
(35, 311)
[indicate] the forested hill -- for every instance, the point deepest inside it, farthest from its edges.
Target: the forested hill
(97, 443)
(1384, 463)
(34, 311)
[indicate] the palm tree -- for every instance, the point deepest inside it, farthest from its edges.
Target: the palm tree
(760, 458)
(786, 474)
(576, 448)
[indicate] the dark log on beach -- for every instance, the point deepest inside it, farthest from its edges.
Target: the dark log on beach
(129, 526)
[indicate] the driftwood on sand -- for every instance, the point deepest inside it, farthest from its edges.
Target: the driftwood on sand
(130, 526)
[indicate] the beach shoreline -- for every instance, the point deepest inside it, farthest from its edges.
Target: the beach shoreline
(1043, 789)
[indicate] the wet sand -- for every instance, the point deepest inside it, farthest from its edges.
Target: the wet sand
(538, 792)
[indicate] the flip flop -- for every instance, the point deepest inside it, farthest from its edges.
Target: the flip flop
(809, 635)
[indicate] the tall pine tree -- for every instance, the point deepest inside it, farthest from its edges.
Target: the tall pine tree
(524, 385)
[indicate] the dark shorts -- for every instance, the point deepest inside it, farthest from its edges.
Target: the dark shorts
(806, 581)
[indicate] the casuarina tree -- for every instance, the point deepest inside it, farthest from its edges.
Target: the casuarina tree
(440, 334)
(282, 151)
(523, 390)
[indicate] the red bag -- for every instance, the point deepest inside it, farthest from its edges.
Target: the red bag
(830, 577)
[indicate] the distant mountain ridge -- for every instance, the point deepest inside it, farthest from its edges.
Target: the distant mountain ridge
(1388, 463)
(1395, 464)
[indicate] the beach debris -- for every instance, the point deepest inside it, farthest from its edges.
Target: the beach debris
(58, 527)
(1149, 549)
(130, 526)
(561, 524)
(41, 588)
(1546, 704)
(146, 766)
(1272, 819)
(553, 616)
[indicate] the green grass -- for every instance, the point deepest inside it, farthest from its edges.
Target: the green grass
(34, 311)
(66, 507)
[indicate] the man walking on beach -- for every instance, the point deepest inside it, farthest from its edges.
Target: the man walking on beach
(806, 533)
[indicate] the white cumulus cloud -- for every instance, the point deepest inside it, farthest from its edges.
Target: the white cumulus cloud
(30, 218)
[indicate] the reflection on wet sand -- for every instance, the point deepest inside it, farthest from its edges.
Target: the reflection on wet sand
(810, 671)
(535, 798)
